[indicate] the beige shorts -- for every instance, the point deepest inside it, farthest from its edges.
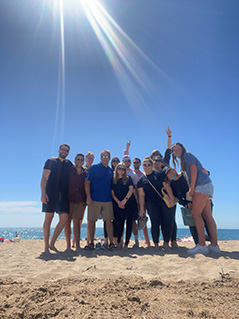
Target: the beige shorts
(77, 210)
(105, 209)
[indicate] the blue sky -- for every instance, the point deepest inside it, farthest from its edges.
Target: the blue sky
(95, 76)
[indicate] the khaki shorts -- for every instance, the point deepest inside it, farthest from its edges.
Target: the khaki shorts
(105, 209)
(77, 210)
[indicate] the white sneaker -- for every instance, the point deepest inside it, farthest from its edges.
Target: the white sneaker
(214, 249)
(198, 249)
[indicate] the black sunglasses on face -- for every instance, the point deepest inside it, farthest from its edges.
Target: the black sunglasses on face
(80, 159)
(64, 150)
(115, 161)
(121, 169)
(136, 162)
(146, 165)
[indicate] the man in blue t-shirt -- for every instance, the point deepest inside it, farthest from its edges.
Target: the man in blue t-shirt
(98, 197)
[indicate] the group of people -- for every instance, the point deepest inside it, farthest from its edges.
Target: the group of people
(119, 195)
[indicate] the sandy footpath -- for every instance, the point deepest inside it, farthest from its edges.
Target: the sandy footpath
(134, 283)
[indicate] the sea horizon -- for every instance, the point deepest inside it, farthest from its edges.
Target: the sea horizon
(37, 233)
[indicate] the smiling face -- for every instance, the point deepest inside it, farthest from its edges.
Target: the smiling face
(121, 169)
(170, 173)
(89, 160)
(136, 163)
(177, 149)
(79, 160)
(148, 167)
(114, 162)
(158, 162)
(63, 152)
(105, 158)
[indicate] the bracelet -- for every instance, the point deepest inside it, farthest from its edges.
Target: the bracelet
(169, 135)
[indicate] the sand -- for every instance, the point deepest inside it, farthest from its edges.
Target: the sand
(134, 283)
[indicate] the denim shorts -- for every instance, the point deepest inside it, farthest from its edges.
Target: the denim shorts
(205, 189)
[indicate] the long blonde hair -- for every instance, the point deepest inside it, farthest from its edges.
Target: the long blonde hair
(116, 175)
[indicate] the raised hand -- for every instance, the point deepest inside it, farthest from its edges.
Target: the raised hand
(168, 132)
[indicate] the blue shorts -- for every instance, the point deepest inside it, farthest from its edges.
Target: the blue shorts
(205, 189)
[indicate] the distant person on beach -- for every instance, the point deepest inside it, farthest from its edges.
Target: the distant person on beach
(99, 199)
(54, 194)
(150, 197)
(77, 199)
(201, 190)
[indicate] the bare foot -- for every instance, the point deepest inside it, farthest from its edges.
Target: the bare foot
(53, 248)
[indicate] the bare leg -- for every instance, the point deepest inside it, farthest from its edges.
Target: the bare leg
(46, 229)
(62, 221)
(199, 203)
(76, 228)
(212, 227)
(146, 236)
(88, 233)
(109, 227)
(91, 227)
(67, 230)
(135, 232)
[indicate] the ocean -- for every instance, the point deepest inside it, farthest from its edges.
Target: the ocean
(37, 233)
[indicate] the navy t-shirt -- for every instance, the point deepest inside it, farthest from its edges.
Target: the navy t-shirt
(58, 178)
(100, 178)
(156, 178)
(121, 188)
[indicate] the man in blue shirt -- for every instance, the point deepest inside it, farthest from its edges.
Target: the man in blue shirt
(98, 197)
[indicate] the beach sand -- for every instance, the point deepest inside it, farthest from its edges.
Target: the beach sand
(142, 283)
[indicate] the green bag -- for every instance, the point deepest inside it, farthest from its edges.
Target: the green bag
(188, 219)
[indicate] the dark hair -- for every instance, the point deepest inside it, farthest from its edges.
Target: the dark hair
(156, 153)
(174, 158)
(80, 154)
(114, 158)
(137, 159)
(64, 145)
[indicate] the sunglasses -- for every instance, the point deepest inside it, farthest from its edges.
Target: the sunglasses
(127, 160)
(121, 168)
(64, 150)
(80, 159)
(115, 161)
(136, 162)
(105, 156)
(146, 165)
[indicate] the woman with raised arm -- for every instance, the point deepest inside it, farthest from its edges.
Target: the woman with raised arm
(201, 190)
(157, 157)
(150, 197)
